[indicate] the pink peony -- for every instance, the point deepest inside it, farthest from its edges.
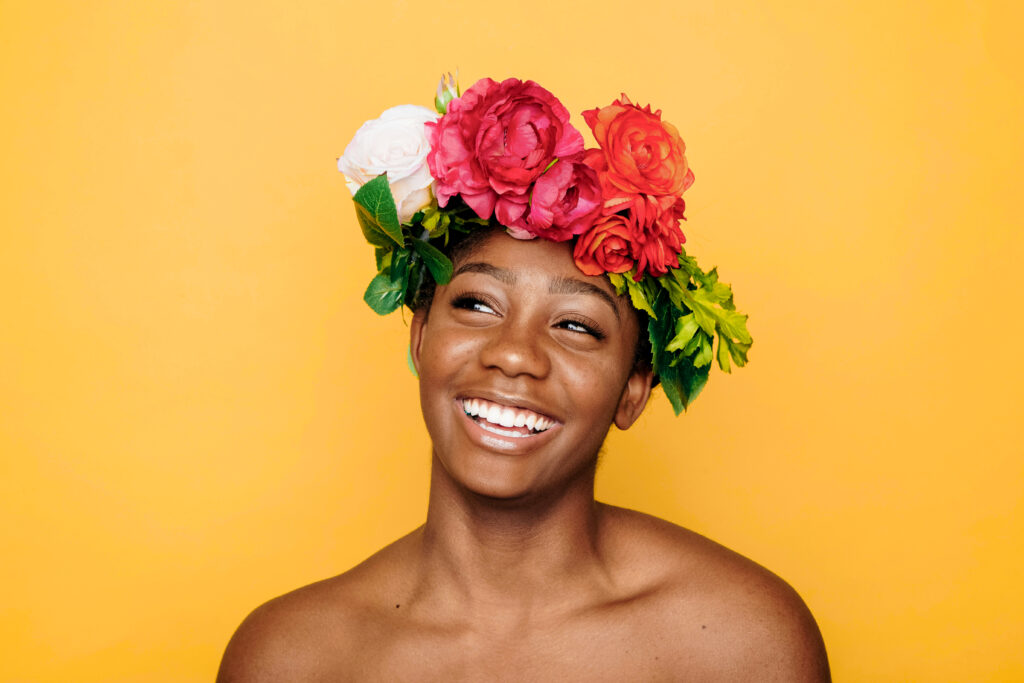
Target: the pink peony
(495, 141)
(564, 202)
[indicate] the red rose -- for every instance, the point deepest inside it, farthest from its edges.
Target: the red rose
(564, 202)
(643, 153)
(657, 238)
(613, 198)
(606, 247)
(647, 236)
(495, 141)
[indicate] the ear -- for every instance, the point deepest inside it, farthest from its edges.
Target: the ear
(416, 329)
(634, 396)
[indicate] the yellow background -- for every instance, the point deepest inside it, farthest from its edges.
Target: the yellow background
(197, 411)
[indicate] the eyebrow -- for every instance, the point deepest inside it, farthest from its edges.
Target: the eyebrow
(506, 276)
(571, 285)
(560, 285)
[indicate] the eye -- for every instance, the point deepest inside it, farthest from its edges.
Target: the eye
(581, 327)
(470, 302)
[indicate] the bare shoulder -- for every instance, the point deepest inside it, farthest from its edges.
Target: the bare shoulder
(315, 632)
(731, 616)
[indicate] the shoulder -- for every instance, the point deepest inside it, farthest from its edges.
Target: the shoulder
(284, 639)
(315, 632)
(739, 619)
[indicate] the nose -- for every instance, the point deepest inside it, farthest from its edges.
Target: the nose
(517, 347)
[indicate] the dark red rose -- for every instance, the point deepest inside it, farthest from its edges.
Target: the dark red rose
(495, 141)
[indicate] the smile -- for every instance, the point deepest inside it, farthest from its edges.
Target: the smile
(505, 420)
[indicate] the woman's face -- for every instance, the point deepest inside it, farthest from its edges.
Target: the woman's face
(524, 363)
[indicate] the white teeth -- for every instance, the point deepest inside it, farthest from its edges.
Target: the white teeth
(508, 417)
(502, 432)
(505, 416)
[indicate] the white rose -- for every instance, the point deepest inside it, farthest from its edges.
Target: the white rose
(396, 144)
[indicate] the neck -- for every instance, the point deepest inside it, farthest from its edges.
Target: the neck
(486, 554)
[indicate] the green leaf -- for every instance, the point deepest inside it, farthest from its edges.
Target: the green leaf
(734, 326)
(384, 295)
(387, 291)
(415, 280)
(637, 296)
(371, 232)
(704, 354)
(723, 354)
(375, 208)
(692, 345)
(693, 381)
(686, 327)
(618, 282)
(440, 265)
(399, 270)
(383, 256)
(703, 311)
(675, 392)
(682, 383)
(738, 351)
(660, 330)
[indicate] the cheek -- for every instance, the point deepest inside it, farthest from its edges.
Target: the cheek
(596, 387)
(445, 352)
(444, 358)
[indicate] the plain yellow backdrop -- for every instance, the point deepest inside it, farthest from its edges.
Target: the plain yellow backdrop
(197, 411)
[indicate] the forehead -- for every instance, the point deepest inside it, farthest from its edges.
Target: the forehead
(537, 257)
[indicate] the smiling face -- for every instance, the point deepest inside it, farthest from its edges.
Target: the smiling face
(524, 364)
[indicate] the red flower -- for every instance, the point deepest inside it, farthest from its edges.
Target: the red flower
(564, 202)
(658, 239)
(643, 172)
(495, 141)
(643, 153)
(647, 236)
(605, 248)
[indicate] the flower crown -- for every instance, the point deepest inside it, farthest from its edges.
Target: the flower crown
(505, 154)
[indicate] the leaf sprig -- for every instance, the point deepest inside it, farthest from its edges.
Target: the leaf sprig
(686, 310)
(404, 258)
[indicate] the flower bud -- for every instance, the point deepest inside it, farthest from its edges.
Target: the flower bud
(447, 90)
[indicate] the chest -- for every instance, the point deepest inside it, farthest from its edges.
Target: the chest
(574, 650)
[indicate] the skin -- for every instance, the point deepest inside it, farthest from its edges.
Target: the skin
(518, 573)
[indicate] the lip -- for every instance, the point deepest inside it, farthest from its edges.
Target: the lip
(502, 444)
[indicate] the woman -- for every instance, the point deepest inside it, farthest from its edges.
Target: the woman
(525, 361)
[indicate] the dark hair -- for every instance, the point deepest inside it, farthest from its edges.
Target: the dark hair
(461, 245)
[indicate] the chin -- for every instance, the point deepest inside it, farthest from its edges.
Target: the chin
(505, 479)
(493, 477)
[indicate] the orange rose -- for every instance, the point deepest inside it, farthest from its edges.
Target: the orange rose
(606, 247)
(643, 153)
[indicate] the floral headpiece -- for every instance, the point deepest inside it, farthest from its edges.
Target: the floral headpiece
(506, 154)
